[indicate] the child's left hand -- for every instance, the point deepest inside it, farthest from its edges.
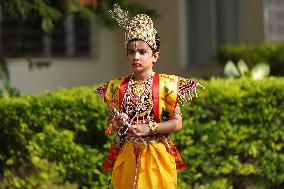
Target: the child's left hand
(140, 129)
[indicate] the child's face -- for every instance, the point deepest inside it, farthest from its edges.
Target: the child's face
(140, 56)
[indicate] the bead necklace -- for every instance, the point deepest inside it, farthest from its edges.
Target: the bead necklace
(138, 101)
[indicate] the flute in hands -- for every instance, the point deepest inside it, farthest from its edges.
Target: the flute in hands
(115, 113)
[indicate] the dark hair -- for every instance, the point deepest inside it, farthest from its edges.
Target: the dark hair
(158, 43)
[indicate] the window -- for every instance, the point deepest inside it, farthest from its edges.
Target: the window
(71, 37)
(274, 20)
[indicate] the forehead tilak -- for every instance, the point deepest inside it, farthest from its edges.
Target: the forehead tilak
(135, 45)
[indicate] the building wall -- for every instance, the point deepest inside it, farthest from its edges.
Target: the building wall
(202, 22)
(240, 21)
(68, 72)
(218, 22)
(180, 41)
(250, 22)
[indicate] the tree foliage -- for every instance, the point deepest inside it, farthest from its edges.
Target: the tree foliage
(50, 11)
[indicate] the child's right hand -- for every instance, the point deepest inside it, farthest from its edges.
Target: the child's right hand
(120, 120)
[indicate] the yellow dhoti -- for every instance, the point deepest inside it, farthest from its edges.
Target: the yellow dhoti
(157, 168)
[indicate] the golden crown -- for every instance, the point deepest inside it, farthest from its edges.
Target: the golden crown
(139, 27)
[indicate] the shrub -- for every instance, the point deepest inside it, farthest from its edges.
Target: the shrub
(52, 136)
(270, 53)
(232, 134)
(234, 130)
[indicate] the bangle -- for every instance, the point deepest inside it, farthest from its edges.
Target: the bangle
(153, 126)
(178, 113)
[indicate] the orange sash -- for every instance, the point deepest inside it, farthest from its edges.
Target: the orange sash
(165, 95)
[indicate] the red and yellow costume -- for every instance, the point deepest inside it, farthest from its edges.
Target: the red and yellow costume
(151, 161)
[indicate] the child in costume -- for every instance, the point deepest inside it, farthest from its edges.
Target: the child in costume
(147, 104)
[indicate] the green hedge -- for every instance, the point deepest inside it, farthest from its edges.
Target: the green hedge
(52, 136)
(232, 136)
(271, 53)
(234, 132)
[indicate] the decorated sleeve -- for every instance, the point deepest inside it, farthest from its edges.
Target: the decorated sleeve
(102, 89)
(187, 90)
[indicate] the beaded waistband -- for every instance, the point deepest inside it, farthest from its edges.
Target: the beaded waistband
(143, 139)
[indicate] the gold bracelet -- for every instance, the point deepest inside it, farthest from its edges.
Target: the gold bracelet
(178, 113)
(153, 126)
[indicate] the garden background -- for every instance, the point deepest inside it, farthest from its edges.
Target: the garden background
(232, 136)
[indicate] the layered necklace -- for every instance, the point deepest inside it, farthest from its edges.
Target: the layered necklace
(138, 101)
